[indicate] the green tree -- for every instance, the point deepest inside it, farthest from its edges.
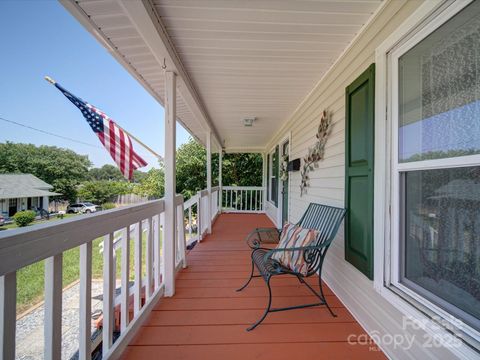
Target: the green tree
(62, 168)
(106, 172)
(102, 191)
(152, 185)
(112, 173)
(241, 169)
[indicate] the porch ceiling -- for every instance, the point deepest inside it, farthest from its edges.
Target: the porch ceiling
(235, 59)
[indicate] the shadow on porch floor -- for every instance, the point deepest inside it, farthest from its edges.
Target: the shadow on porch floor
(206, 319)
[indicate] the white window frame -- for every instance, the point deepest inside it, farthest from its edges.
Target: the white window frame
(428, 17)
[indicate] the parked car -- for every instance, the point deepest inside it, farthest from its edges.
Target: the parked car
(2, 220)
(82, 208)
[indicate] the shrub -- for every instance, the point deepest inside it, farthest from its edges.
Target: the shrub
(23, 218)
(108, 206)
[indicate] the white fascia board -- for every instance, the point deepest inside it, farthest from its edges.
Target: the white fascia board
(144, 17)
(83, 18)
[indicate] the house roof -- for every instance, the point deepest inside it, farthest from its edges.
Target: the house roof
(23, 185)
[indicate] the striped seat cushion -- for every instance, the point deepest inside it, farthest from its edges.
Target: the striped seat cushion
(294, 236)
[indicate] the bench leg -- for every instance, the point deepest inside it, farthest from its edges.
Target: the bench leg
(320, 295)
(249, 279)
(267, 309)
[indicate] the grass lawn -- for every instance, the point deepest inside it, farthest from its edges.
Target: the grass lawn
(14, 226)
(30, 280)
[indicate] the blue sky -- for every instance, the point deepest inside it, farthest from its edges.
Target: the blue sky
(41, 38)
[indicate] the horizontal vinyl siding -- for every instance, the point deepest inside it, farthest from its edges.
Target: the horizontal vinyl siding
(327, 182)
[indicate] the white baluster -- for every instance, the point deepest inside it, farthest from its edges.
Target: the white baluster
(137, 303)
(251, 200)
(8, 307)
(85, 343)
(156, 251)
(53, 308)
(125, 295)
(148, 260)
(108, 293)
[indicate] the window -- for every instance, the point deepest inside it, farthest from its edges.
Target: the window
(436, 167)
(273, 166)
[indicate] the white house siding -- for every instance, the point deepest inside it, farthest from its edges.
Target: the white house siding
(272, 211)
(375, 313)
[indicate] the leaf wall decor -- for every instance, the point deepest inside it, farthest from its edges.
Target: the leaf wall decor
(316, 152)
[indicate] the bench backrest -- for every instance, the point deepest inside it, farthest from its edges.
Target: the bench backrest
(326, 219)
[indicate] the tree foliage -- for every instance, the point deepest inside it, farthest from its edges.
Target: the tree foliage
(69, 172)
(238, 169)
(102, 191)
(62, 168)
(152, 185)
(112, 173)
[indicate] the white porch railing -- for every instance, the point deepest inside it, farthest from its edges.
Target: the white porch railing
(195, 212)
(242, 199)
(141, 224)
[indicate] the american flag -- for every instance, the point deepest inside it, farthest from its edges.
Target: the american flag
(113, 137)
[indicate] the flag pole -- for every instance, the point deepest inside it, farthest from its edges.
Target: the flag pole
(148, 148)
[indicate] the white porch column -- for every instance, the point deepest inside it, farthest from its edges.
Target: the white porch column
(264, 180)
(220, 158)
(170, 183)
(209, 180)
(45, 203)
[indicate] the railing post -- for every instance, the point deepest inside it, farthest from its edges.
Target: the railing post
(220, 191)
(181, 234)
(264, 180)
(209, 181)
(170, 184)
(53, 308)
(8, 307)
(199, 215)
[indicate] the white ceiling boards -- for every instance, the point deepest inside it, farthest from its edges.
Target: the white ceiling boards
(238, 58)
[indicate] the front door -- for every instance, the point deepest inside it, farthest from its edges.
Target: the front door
(12, 207)
(359, 154)
(284, 179)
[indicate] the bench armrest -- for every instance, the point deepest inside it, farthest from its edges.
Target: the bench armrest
(269, 254)
(261, 236)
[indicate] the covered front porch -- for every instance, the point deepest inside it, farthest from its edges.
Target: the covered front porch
(207, 318)
(263, 77)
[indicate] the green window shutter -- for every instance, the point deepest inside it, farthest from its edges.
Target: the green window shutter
(359, 155)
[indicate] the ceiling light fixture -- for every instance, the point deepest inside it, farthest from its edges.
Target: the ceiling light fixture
(248, 122)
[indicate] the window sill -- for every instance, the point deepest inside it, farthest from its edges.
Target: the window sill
(418, 316)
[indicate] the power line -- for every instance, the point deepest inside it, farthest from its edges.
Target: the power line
(61, 136)
(49, 133)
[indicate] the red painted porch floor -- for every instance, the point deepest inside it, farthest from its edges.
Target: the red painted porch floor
(207, 318)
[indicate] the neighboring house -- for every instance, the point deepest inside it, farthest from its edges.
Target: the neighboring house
(23, 192)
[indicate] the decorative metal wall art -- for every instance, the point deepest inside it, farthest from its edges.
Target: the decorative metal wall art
(316, 152)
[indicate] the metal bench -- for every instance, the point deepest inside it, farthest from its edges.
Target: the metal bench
(325, 219)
